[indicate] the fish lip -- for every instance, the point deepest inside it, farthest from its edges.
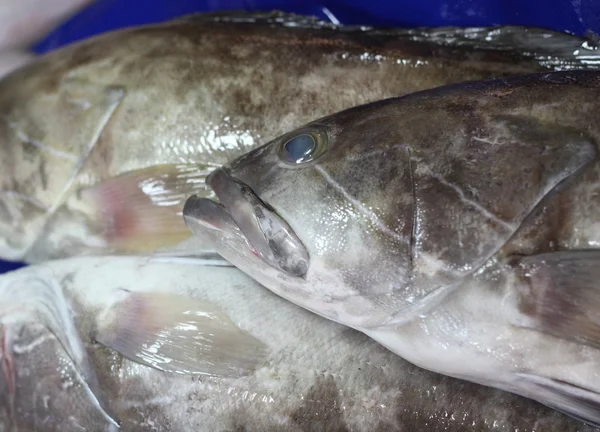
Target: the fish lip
(266, 233)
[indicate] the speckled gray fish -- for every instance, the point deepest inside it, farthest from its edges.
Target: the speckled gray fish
(458, 226)
(102, 141)
(317, 375)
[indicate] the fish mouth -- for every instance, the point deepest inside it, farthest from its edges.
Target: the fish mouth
(241, 211)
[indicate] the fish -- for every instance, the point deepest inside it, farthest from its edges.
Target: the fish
(315, 374)
(103, 140)
(457, 226)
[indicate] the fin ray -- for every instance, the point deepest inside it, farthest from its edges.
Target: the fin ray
(560, 294)
(141, 210)
(179, 334)
(35, 294)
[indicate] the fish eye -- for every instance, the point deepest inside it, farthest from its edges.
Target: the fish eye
(303, 147)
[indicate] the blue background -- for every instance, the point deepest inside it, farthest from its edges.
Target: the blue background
(575, 16)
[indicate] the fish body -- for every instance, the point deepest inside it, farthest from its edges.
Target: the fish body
(103, 140)
(317, 375)
(457, 226)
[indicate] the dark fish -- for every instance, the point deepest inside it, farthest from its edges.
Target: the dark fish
(316, 375)
(102, 141)
(459, 227)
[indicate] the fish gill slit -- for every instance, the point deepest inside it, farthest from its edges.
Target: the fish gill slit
(357, 204)
(481, 209)
(103, 121)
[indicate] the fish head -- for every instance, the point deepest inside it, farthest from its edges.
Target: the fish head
(372, 215)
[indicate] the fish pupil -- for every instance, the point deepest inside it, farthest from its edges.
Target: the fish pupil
(298, 149)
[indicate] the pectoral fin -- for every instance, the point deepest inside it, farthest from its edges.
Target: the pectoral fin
(572, 400)
(178, 334)
(142, 210)
(560, 295)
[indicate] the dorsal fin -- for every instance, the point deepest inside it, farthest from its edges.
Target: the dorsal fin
(274, 17)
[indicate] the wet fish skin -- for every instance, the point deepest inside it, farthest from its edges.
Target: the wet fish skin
(456, 226)
(42, 391)
(319, 375)
(103, 140)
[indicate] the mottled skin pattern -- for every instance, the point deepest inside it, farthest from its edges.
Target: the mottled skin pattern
(319, 376)
(415, 212)
(203, 90)
(48, 388)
